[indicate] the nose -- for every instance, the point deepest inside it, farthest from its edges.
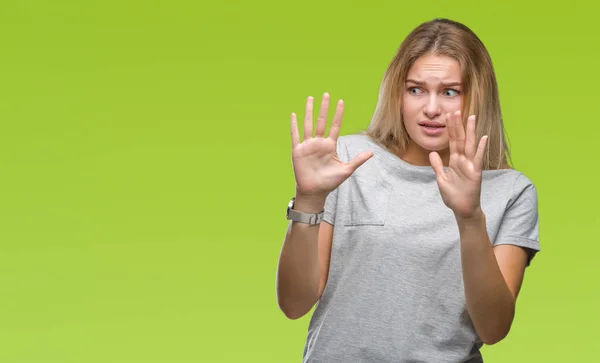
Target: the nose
(432, 108)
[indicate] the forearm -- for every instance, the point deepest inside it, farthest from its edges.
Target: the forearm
(298, 271)
(490, 302)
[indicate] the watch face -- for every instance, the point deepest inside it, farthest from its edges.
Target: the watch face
(290, 206)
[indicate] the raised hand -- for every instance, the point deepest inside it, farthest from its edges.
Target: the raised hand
(317, 169)
(460, 185)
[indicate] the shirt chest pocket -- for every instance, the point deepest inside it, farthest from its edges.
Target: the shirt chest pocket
(367, 201)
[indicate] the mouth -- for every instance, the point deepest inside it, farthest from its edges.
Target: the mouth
(433, 129)
(432, 125)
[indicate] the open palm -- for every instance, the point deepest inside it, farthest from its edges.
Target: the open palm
(317, 169)
(460, 185)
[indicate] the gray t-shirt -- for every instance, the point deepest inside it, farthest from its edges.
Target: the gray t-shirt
(395, 289)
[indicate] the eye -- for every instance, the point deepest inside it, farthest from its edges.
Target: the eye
(451, 93)
(414, 90)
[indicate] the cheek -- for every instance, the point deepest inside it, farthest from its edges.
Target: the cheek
(409, 108)
(453, 105)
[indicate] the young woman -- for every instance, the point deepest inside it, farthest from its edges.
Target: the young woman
(411, 239)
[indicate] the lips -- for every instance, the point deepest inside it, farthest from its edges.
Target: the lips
(433, 129)
(432, 124)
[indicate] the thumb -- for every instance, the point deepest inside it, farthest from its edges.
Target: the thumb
(436, 164)
(358, 160)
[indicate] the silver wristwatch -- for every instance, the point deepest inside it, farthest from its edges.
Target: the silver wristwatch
(308, 218)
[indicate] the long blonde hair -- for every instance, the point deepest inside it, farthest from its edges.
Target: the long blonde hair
(443, 37)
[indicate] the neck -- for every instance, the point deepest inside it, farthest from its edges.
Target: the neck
(418, 156)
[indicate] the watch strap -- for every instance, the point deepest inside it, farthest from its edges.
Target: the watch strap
(307, 218)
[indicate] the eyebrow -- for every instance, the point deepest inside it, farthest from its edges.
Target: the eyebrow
(421, 83)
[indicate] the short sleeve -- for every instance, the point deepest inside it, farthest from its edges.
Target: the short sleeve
(331, 201)
(520, 223)
(330, 206)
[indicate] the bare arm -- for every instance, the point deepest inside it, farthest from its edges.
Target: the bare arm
(303, 263)
(492, 276)
(492, 279)
(304, 259)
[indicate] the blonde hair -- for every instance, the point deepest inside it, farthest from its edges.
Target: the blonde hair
(443, 37)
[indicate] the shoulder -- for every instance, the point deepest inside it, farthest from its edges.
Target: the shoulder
(512, 184)
(511, 178)
(524, 188)
(353, 144)
(356, 141)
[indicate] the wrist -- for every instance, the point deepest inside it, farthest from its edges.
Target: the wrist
(476, 218)
(308, 203)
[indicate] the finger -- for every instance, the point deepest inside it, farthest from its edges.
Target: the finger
(450, 126)
(480, 152)
(451, 133)
(459, 132)
(294, 131)
(308, 116)
(322, 119)
(358, 160)
(336, 124)
(436, 163)
(470, 147)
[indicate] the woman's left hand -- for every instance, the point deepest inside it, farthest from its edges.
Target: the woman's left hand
(460, 184)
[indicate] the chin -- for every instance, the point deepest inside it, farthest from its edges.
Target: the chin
(431, 144)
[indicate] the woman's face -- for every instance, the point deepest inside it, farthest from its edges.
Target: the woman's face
(433, 89)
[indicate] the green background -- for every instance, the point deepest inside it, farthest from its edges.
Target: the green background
(145, 167)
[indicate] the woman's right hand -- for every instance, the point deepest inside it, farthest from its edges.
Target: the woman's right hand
(317, 169)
